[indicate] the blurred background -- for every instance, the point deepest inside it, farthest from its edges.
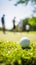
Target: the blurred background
(23, 10)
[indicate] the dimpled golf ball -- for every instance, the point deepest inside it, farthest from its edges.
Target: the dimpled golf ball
(25, 42)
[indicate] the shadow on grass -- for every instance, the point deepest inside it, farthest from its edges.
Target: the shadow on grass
(26, 48)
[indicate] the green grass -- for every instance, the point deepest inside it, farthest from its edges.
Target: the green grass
(16, 36)
(11, 52)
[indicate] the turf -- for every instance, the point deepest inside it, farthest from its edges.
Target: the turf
(16, 36)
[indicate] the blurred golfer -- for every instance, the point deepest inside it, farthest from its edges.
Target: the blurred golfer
(3, 23)
(14, 24)
(27, 28)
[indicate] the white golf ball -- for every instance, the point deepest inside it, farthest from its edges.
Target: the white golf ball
(24, 42)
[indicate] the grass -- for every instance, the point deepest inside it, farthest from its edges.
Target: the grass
(16, 36)
(11, 53)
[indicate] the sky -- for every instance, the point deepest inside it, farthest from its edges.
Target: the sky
(7, 7)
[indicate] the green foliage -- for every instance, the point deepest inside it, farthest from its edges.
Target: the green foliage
(31, 22)
(11, 53)
(25, 2)
(33, 2)
(25, 21)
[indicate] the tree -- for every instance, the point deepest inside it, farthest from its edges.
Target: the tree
(25, 22)
(25, 1)
(31, 22)
(33, 3)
